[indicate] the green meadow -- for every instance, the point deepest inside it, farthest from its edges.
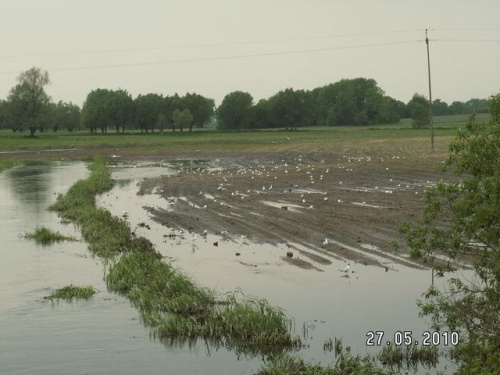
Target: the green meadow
(211, 139)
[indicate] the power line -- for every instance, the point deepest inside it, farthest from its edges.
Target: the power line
(467, 40)
(467, 29)
(190, 46)
(234, 57)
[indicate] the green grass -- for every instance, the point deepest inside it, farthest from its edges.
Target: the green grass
(45, 236)
(209, 139)
(177, 310)
(170, 303)
(345, 364)
(106, 234)
(408, 357)
(71, 292)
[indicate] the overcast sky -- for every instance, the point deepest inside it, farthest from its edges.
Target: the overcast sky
(213, 47)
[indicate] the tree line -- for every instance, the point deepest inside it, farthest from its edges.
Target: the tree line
(356, 101)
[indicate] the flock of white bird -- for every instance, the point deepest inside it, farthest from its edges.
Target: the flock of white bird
(276, 183)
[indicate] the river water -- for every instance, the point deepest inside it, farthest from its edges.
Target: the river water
(104, 335)
(99, 336)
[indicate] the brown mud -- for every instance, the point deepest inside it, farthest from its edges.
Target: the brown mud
(322, 207)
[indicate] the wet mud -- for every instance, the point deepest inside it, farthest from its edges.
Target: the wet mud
(319, 207)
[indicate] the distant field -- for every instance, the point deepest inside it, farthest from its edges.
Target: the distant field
(451, 120)
(398, 138)
(209, 138)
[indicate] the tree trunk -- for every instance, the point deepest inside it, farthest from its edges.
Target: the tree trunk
(32, 131)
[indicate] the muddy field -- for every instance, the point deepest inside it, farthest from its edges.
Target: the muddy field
(321, 206)
(322, 202)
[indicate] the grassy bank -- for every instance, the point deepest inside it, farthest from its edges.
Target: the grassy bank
(170, 303)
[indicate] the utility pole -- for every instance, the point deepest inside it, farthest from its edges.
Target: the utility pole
(431, 119)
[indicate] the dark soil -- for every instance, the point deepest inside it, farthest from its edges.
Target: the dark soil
(356, 203)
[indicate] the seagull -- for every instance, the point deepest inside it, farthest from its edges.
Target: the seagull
(325, 242)
(346, 268)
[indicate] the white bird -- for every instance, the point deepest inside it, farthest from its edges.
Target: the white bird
(346, 268)
(325, 242)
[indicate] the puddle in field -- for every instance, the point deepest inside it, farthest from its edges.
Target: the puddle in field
(323, 304)
(283, 205)
(99, 336)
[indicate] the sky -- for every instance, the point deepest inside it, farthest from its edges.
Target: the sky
(259, 46)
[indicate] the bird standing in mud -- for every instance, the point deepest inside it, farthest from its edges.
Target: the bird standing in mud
(325, 242)
(346, 268)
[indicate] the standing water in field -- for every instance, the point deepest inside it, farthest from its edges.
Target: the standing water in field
(105, 335)
(323, 302)
(100, 336)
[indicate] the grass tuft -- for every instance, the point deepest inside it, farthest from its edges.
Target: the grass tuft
(71, 292)
(45, 236)
(408, 357)
(346, 364)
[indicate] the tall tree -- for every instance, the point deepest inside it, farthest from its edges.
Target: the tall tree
(104, 108)
(182, 119)
(439, 107)
(463, 220)
(200, 107)
(6, 118)
(29, 101)
(235, 111)
(170, 104)
(147, 111)
(65, 116)
(95, 110)
(418, 107)
(261, 117)
(120, 109)
(288, 108)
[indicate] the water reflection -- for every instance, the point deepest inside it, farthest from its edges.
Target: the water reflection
(29, 184)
